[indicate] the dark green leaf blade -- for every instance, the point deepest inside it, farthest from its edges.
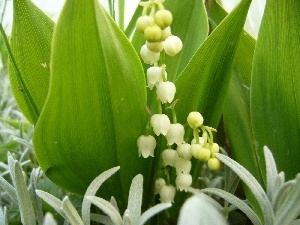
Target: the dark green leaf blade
(275, 95)
(203, 84)
(31, 44)
(95, 110)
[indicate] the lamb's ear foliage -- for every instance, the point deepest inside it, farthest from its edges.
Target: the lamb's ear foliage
(29, 67)
(95, 109)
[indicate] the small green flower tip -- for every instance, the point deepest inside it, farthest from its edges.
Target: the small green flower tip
(169, 157)
(172, 45)
(163, 18)
(143, 22)
(146, 145)
(166, 92)
(183, 181)
(213, 164)
(152, 33)
(204, 154)
(195, 120)
(167, 194)
(155, 46)
(160, 124)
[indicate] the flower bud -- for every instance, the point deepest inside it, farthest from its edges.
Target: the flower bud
(172, 45)
(184, 151)
(195, 119)
(213, 164)
(165, 33)
(146, 145)
(143, 22)
(155, 46)
(175, 134)
(159, 183)
(204, 154)
(154, 76)
(195, 148)
(167, 194)
(166, 91)
(201, 141)
(163, 18)
(183, 181)
(152, 33)
(215, 148)
(169, 157)
(148, 56)
(160, 124)
(183, 166)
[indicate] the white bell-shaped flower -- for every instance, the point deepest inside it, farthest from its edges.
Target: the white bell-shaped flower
(169, 157)
(172, 45)
(167, 194)
(183, 166)
(146, 145)
(160, 124)
(201, 141)
(183, 181)
(159, 183)
(175, 134)
(166, 91)
(154, 76)
(195, 148)
(148, 56)
(184, 151)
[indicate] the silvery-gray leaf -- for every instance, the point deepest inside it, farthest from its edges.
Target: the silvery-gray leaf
(114, 203)
(49, 219)
(295, 222)
(253, 185)
(91, 191)
(282, 194)
(25, 206)
(3, 216)
(199, 210)
(23, 142)
(127, 219)
(153, 211)
(10, 190)
(279, 184)
(271, 173)
(70, 212)
(107, 208)
(237, 202)
(289, 210)
(34, 175)
(135, 198)
(54, 202)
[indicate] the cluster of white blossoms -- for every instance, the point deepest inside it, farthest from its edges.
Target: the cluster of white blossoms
(155, 26)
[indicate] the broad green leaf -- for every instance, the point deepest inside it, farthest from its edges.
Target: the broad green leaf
(30, 70)
(275, 93)
(236, 113)
(95, 110)
(203, 84)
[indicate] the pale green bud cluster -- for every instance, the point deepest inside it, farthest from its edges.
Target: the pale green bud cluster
(155, 25)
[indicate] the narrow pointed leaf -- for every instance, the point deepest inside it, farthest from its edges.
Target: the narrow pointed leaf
(25, 205)
(275, 93)
(10, 190)
(95, 110)
(92, 190)
(31, 44)
(135, 198)
(107, 208)
(153, 211)
(203, 84)
(272, 173)
(71, 213)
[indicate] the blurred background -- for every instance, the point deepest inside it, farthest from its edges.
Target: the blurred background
(53, 8)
